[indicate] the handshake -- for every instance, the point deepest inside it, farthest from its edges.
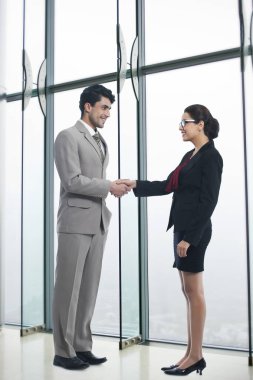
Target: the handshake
(121, 187)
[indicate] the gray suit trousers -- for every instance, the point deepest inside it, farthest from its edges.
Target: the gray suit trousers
(79, 262)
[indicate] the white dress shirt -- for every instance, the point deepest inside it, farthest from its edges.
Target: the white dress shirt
(93, 132)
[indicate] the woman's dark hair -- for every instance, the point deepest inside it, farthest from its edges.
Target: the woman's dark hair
(93, 94)
(201, 113)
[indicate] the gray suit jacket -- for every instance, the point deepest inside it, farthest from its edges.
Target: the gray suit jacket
(82, 207)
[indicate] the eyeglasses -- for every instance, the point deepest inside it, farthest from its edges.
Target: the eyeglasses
(183, 122)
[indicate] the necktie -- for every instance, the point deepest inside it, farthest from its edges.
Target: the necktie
(99, 142)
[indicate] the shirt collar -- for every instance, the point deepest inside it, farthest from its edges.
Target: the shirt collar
(90, 129)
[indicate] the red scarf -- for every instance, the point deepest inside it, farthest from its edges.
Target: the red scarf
(172, 185)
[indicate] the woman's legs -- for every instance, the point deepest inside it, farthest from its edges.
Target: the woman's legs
(188, 321)
(192, 285)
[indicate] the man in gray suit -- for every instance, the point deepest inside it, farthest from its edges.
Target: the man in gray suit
(81, 157)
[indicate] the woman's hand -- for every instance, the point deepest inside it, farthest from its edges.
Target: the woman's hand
(182, 248)
(128, 182)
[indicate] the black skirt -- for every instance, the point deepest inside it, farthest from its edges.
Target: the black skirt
(194, 261)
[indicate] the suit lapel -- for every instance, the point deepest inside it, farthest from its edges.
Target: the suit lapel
(191, 163)
(195, 159)
(91, 140)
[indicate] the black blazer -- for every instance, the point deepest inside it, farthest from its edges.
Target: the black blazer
(197, 194)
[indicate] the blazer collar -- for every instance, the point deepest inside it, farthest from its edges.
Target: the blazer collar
(196, 157)
(209, 144)
(82, 129)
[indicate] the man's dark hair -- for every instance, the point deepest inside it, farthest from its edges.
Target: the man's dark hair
(93, 94)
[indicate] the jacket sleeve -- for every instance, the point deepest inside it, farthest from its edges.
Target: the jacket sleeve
(153, 188)
(150, 188)
(68, 166)
(209, 192)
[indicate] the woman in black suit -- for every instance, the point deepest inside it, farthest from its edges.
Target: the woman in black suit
(195, 185)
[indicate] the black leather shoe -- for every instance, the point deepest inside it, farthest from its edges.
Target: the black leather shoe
(198, 366)
(70, 363)
(87, 356)
(170, 367)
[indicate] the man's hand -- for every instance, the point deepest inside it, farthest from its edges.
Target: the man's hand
(119, 189)
(130, 183)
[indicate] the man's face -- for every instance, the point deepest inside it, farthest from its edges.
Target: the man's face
(97, 115)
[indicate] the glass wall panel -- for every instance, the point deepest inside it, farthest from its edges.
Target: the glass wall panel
(130, 324)
(85, 39)
(11, 211)
(33, 216)
(14, 45)
(34, 40)
(218, 87)
(2, 144)
(186, 28)
(127, 15)
(35, 34)
(33, 175)
(129, 215)
(106, 316)
(249, 135)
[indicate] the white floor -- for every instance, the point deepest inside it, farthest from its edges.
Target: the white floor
(30, 358)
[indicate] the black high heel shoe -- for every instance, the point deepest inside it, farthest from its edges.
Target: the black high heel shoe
(198, 366)
(170, 367)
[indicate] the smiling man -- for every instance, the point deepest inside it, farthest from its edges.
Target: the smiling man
(81, 157)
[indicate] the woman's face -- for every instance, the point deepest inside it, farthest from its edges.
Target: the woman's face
(189, 129)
